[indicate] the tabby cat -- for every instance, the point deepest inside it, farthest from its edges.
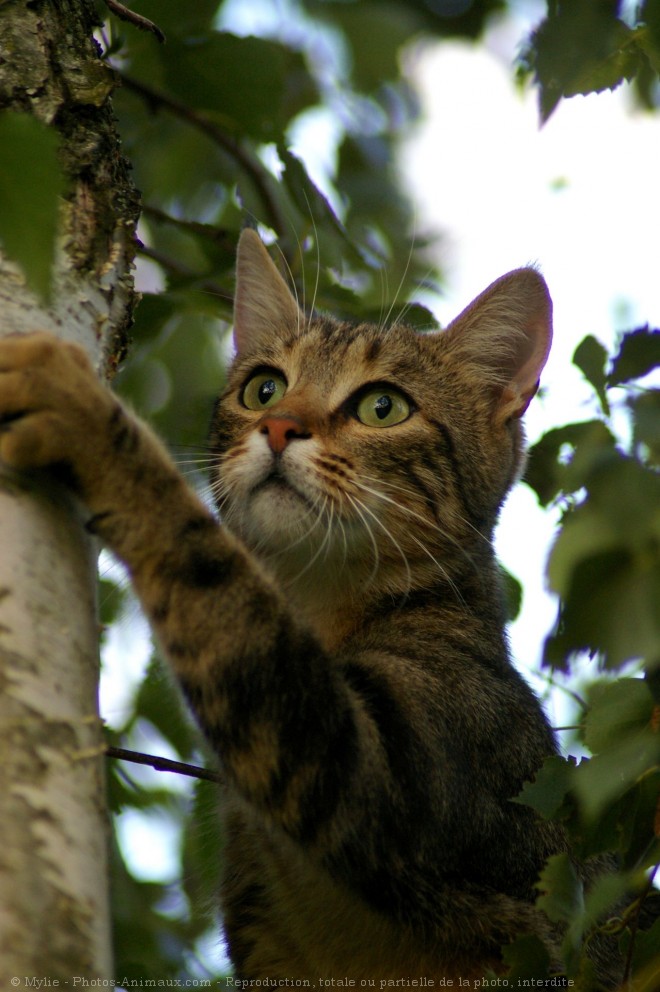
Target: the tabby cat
(340, 636)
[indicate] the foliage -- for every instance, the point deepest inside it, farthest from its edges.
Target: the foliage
(210, 122)
(586, 46)
(605, 561)
(605, 565)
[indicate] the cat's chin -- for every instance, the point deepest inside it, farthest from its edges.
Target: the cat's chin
(276, 516)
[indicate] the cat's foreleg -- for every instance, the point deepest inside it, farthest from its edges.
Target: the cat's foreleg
(283, 721)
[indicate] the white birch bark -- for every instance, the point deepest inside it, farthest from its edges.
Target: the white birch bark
(54, 907)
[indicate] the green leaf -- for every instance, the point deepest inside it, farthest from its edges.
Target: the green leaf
(585, 535)
(619, 731)
(453, 18)
(562, 892)
(581, 47)
(609, 819)
(639, 354)
(610, 606)
(203, 73)
(546, 794)
(552, 466)
(174, 162)
(622, 62)
(650, 15)
(513, 593)
(627, 493)
(31, 185)
(591, 358)
(604, 779)
(605, 562)
(616, 712)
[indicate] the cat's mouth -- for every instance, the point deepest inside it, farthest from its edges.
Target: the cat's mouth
(278, 486)
(276, 513)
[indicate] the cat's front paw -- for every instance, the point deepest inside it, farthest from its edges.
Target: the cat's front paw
(51, 402)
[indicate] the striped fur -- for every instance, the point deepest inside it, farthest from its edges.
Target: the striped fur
(340, 637)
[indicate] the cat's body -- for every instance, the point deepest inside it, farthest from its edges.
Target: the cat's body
(343, 647)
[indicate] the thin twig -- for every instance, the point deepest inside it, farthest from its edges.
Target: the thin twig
(143, 23)
(209, 286)
(249, 164)
(217, 235)
(163, 764)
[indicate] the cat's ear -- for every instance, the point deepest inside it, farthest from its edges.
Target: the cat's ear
(505, 335)
(263, 304)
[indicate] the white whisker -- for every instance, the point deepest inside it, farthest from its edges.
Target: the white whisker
(324, 544)
(317, 244)
(357, 506)
(445, 574)
(204, 462)
(431, 525)
(388, 534)
(292, 281)
(428, 524)
(384, 323)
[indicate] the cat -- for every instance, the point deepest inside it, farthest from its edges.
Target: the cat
(340, 636)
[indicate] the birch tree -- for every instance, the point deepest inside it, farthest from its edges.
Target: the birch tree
(66, 199)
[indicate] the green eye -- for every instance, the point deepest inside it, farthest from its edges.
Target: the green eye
(263, 390)
(383, 407)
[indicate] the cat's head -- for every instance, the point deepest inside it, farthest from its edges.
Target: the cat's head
(356, 451)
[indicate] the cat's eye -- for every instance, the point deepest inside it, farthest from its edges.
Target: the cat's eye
(263, 390)
(383, 406)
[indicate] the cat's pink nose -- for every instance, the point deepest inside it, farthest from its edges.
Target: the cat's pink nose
(280, 430)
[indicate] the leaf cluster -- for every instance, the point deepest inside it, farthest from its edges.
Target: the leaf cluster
(208, 120)
(586, 46)
(605, 566)
(605, 563)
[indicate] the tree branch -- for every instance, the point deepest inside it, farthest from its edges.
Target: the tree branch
(163, 764)
(185, 272)
(248, 163)
(217, 235)
(143, 23)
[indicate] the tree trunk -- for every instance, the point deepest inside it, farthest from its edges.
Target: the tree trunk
(54, 913)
